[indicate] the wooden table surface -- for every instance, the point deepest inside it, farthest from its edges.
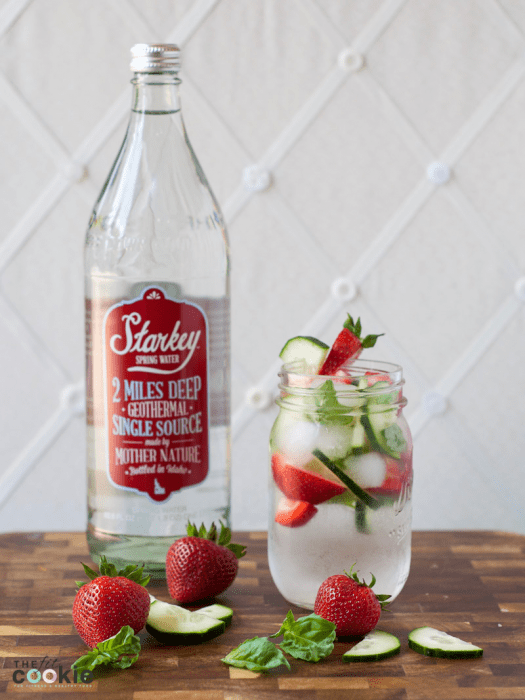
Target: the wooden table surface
(470, 584)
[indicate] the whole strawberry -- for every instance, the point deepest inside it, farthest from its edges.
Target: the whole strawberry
(111, 600)
(203, 564)
(350, 604)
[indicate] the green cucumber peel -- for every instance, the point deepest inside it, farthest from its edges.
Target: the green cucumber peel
(433, 642)
(375, 646)
(389, 441)
(363, 496)
(361, 520)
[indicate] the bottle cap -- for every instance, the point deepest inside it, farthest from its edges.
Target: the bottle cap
(155, 58)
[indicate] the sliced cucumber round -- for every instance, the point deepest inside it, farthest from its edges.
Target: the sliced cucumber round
(219, 612)
(433, 642)
(362, 523)
(375, 646)
(171, 624)
(304, 347)
(384, 433)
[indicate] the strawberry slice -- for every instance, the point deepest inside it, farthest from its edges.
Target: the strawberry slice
(302, 485)
(374, 377)
(292, 513)
(347, 346)
(393, 480)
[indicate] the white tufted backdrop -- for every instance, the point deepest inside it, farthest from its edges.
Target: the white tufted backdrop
(369, 157)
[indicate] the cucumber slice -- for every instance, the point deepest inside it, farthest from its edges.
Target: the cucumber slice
(304, 347)
(171, 624)
(384, 435)
(432, 642)
(375, 646)
(219, 612)
(367, 499)
(358, 440)
(361, 518)
(377, 396)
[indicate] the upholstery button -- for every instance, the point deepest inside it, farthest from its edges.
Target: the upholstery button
(350, 60)
(256, 178)
(258, 398)
(343, 289)
(438, 173)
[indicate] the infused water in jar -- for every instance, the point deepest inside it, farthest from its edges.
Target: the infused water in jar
(340, 479)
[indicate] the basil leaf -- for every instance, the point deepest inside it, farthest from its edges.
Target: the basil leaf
(394, 438)
(310, 638)
(119, 651)
(330, 410)
(256, 654)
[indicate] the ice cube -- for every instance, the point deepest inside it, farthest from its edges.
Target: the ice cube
(334, 440)
(368, 470)
(298, 442)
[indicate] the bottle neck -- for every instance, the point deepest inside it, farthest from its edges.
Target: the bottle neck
(155, 93)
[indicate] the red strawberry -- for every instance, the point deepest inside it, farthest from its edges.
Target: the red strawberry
(347, 346)
(202, 565)
(302, 484)
(350, 604)
(111, 600)
(292, 513)
(374, 377)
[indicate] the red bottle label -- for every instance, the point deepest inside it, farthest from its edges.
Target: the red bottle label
(156, 394)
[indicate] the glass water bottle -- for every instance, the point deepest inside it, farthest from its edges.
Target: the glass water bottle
(157, 334)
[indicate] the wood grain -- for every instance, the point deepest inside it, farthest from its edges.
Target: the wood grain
(471, 584)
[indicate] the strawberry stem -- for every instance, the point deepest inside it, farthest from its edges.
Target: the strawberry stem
(106, 568)
(222, 538)
(355, 327)
(382, 598)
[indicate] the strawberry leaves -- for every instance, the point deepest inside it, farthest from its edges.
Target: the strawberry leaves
(347, 346)
(221, 538)
(355, 327)
(132, 571)
(382, 598)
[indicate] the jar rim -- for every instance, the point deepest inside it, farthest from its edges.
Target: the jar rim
(355, 369)
(376, 380)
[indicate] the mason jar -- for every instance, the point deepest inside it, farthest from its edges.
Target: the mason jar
(340, 479)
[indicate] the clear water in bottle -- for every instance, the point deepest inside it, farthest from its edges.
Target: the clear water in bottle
(157, 334)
